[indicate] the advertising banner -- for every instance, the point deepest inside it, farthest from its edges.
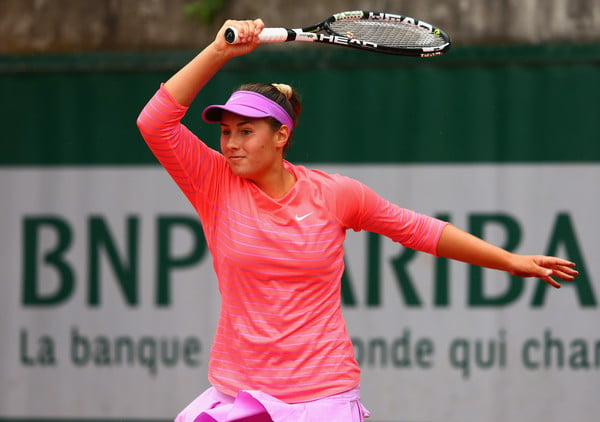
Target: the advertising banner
(109, 301)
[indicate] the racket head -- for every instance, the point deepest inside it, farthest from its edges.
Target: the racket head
(388, 33)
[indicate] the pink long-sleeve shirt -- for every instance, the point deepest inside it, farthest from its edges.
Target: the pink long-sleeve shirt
(279, 262)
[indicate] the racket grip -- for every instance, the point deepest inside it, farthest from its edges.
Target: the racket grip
(267, 35)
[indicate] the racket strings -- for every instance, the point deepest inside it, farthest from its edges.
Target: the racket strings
(389, 34)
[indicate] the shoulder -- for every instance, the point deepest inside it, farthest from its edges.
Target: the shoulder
(333, 182)
(341, 194)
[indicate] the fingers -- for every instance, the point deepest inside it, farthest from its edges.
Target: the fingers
(556, 267)
(247, 37)
(247, 31)
(551, 261)
(259, 25)
(547, 269)
(551, 282)
(565, 273)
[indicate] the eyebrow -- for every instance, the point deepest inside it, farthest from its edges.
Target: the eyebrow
(244, 122)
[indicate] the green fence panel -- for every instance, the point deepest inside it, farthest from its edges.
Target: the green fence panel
(476, 104)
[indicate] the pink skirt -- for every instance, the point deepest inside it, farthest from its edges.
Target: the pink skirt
(255, 406)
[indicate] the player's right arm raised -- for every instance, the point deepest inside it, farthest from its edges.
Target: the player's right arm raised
(190, 79)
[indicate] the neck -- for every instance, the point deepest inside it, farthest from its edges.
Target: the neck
(278, 184)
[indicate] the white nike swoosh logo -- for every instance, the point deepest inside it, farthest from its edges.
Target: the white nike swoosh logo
(303, 217)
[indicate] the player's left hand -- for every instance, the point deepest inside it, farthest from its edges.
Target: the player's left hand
(545, 268)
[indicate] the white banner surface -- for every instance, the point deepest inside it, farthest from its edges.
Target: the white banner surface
(109, 301)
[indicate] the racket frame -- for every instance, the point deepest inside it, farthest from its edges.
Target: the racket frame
(313, 34)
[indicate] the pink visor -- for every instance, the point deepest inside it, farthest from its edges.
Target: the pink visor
(248, 104)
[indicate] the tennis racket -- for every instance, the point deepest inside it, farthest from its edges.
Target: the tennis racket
(378, 32)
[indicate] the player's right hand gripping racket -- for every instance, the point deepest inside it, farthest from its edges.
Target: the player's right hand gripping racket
(371, 31)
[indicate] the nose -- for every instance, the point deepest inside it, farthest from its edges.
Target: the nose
(231, 142)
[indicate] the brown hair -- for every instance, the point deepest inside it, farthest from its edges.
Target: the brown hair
(282, 94)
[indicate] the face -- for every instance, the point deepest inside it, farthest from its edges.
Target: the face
(251, 146)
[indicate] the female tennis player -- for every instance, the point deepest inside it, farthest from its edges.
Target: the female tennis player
(275, 231)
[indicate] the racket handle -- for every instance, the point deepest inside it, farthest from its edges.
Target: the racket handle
(267, 35)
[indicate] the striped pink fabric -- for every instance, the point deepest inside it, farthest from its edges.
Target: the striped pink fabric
(279, 262)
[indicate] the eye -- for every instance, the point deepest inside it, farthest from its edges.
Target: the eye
(225, 132)
(246, 132)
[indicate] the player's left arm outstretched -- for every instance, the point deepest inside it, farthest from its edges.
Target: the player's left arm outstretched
(457, 244)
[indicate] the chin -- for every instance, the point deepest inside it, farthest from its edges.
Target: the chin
(240, 172)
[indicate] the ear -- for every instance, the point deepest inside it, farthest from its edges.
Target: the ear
(282, 135)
